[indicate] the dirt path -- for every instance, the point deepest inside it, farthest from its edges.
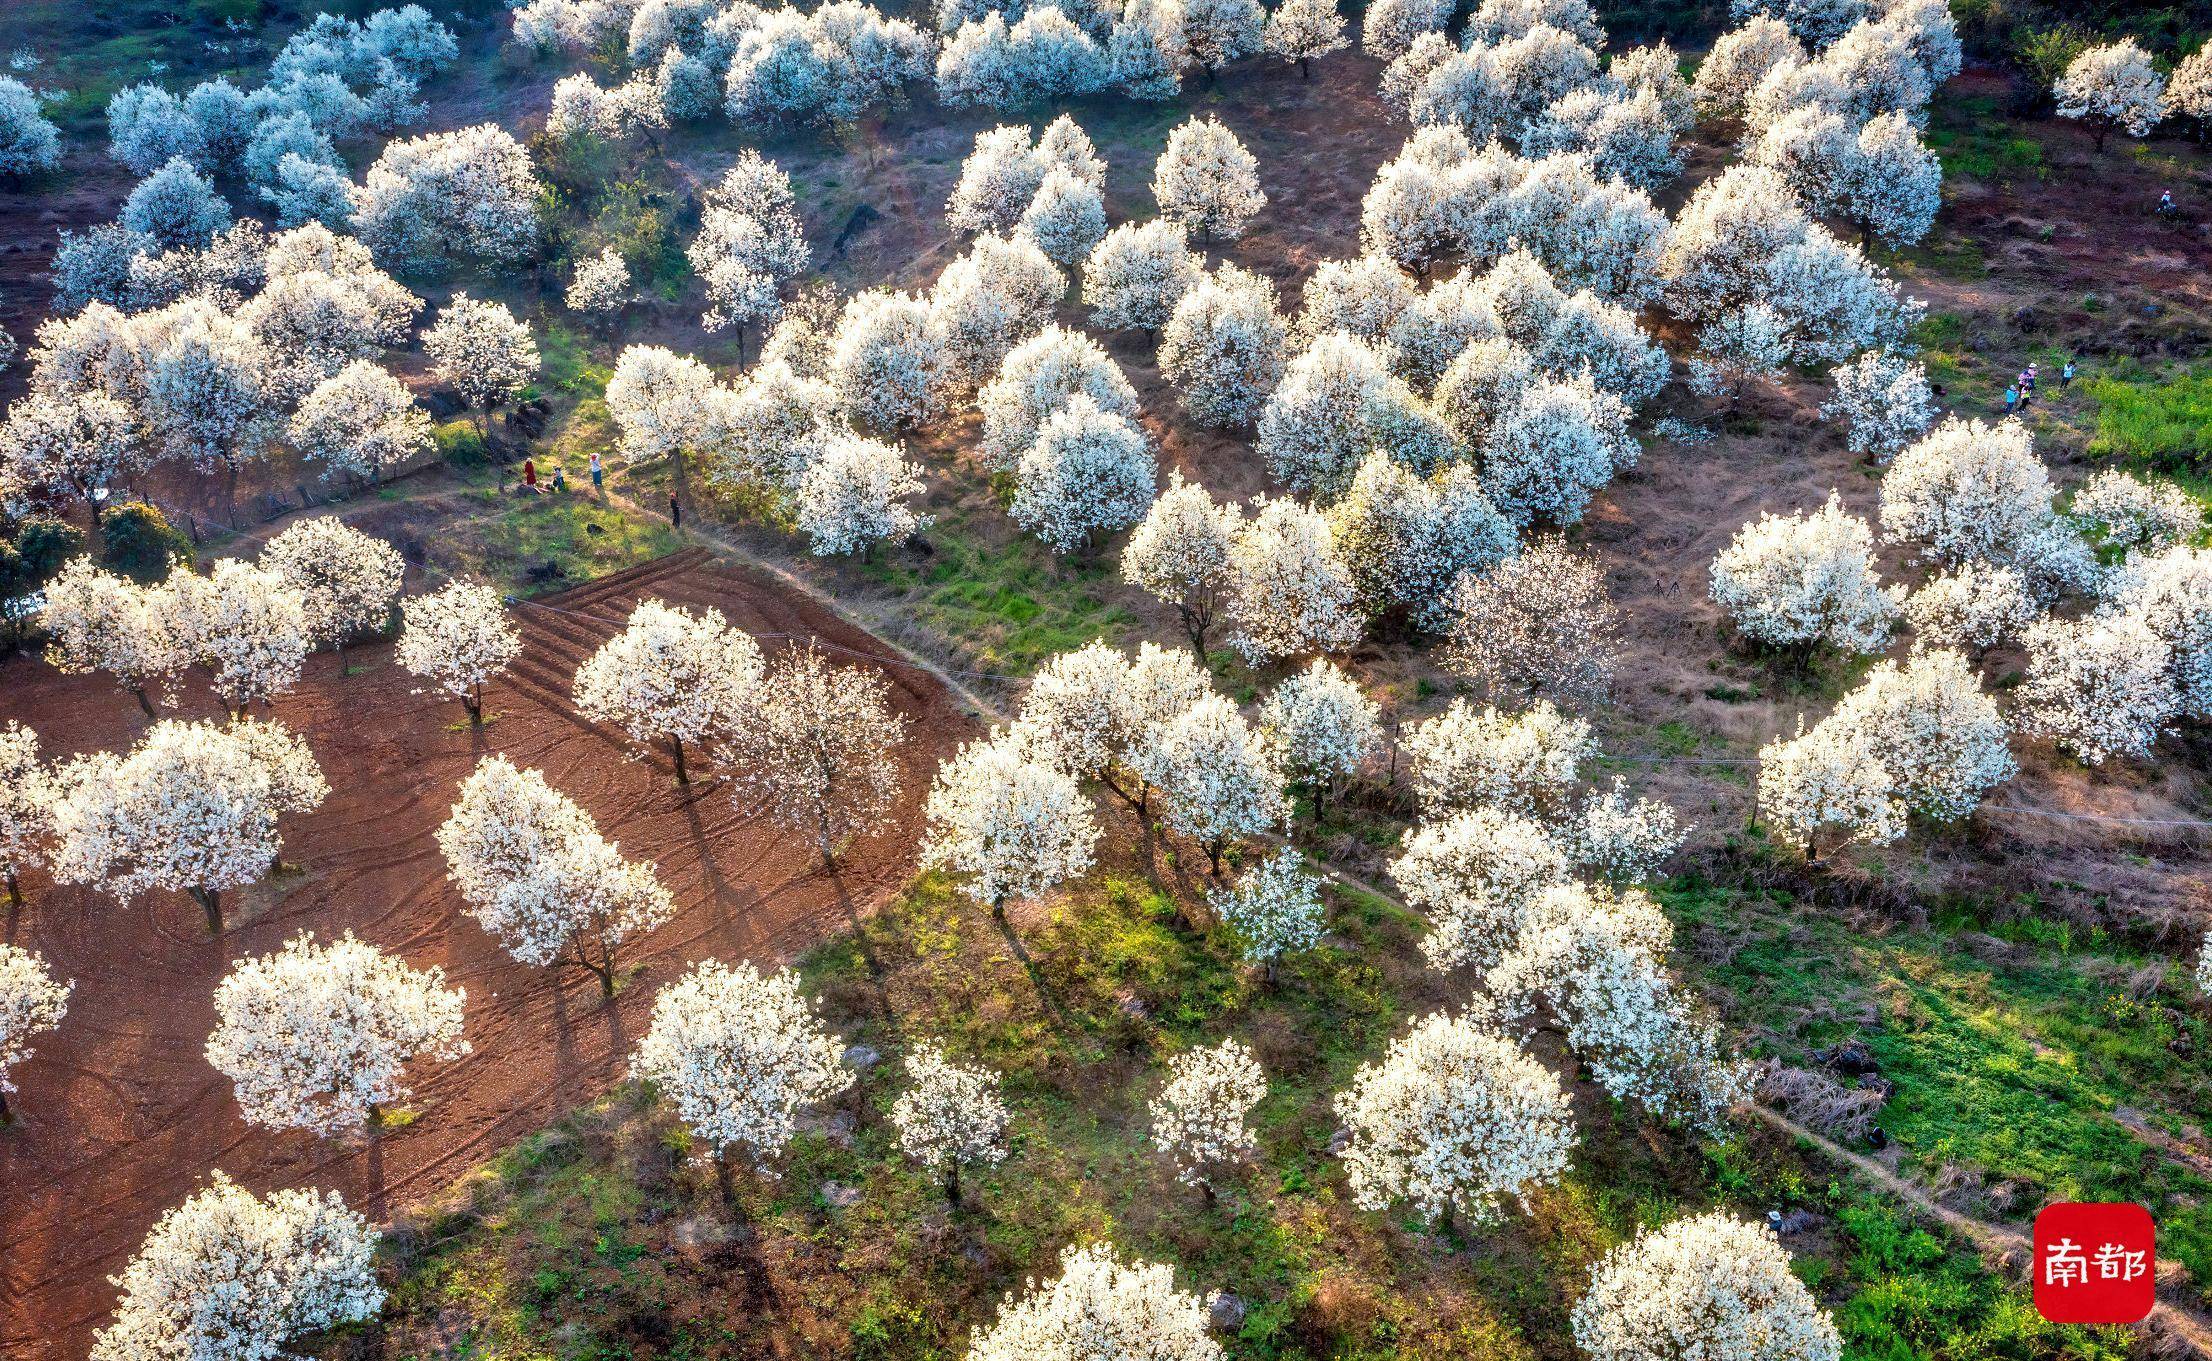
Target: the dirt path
(122, 1116)
(2004, 1247)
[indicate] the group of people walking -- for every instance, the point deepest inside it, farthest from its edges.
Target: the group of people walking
(2022, 389)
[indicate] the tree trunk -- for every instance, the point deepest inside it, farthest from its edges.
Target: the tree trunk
(1305, 68)
(722, 1180)
(676, 749)
(1196, 630)
(211, 901)
(1213, 856)
(7, 1117)
(15, 891)
(1206, 1189)
(952, 1183)
(473, 701)
(138, 692)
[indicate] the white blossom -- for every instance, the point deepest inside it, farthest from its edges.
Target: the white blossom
(739, 1054)
(64, 444)
(1829, 779)
(247, 626)
(600, 285)
(1066, 219)
(1454, 1119)
(1406, 539)
(2113, 86)
(229, 1276)
(1000, 293)
(1089, 469)
(463, 196)
(819, 749)
(175, 206)
(1137, 274)
(1806, 581)
(1099, 1310)
(1524, 763)
(1318, 724)
(659, 401)
(1220, 781)
(671, 677)
(1014, 827)
(950, 1114)
(1972, 492)
(1145, 56)
(1623, 842)
(458, 638)
(1711, 1286)
(97, 621)
(1292, 593)
(1972, 608)
(1035, 380)
(1207, 181)
(537, 875)
(1538, 624)
(347, 581)
(1885, 401)
(891, 362)
(1181, 552)
(2100, 687)
(1940, 737)
(318, 1038)
(1739, 60)
(750, 243)
(191, 808)
(1222, 347)
(1272, 909)
(997, 182)
(28, 141)
(31, 1002)
(482, 351)
(2170, 591)
(1550, 452)
(1198, 1119)
(1301, 30)
(854, 496)
(361, 420)
(1476, 874)
(2131, 513)
(1597, 961)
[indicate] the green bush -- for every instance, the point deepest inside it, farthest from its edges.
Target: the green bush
(30, 560)
(461, 445)
(137, 540)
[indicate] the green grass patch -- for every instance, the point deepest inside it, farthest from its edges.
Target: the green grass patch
(1007, 607)
(579, 537)
(2159, 418)
(1975, 141)
(2017, 1062)
(606, 1236)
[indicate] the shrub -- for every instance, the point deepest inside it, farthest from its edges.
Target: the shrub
(138, 541)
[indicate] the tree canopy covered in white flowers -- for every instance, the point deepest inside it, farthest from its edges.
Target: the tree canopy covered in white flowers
(739, 1054)
(1097, 1308)
(671, 678)
(1711, 1285)
(536, 873)
(458, 639)
(231, 1275)
(319, 1037)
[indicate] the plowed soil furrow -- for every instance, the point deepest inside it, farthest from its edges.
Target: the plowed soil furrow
(121, 1117)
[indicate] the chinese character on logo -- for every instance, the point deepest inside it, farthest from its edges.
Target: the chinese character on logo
(2095, 1263)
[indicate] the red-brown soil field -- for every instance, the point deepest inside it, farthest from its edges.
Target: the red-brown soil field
(121, 1116)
